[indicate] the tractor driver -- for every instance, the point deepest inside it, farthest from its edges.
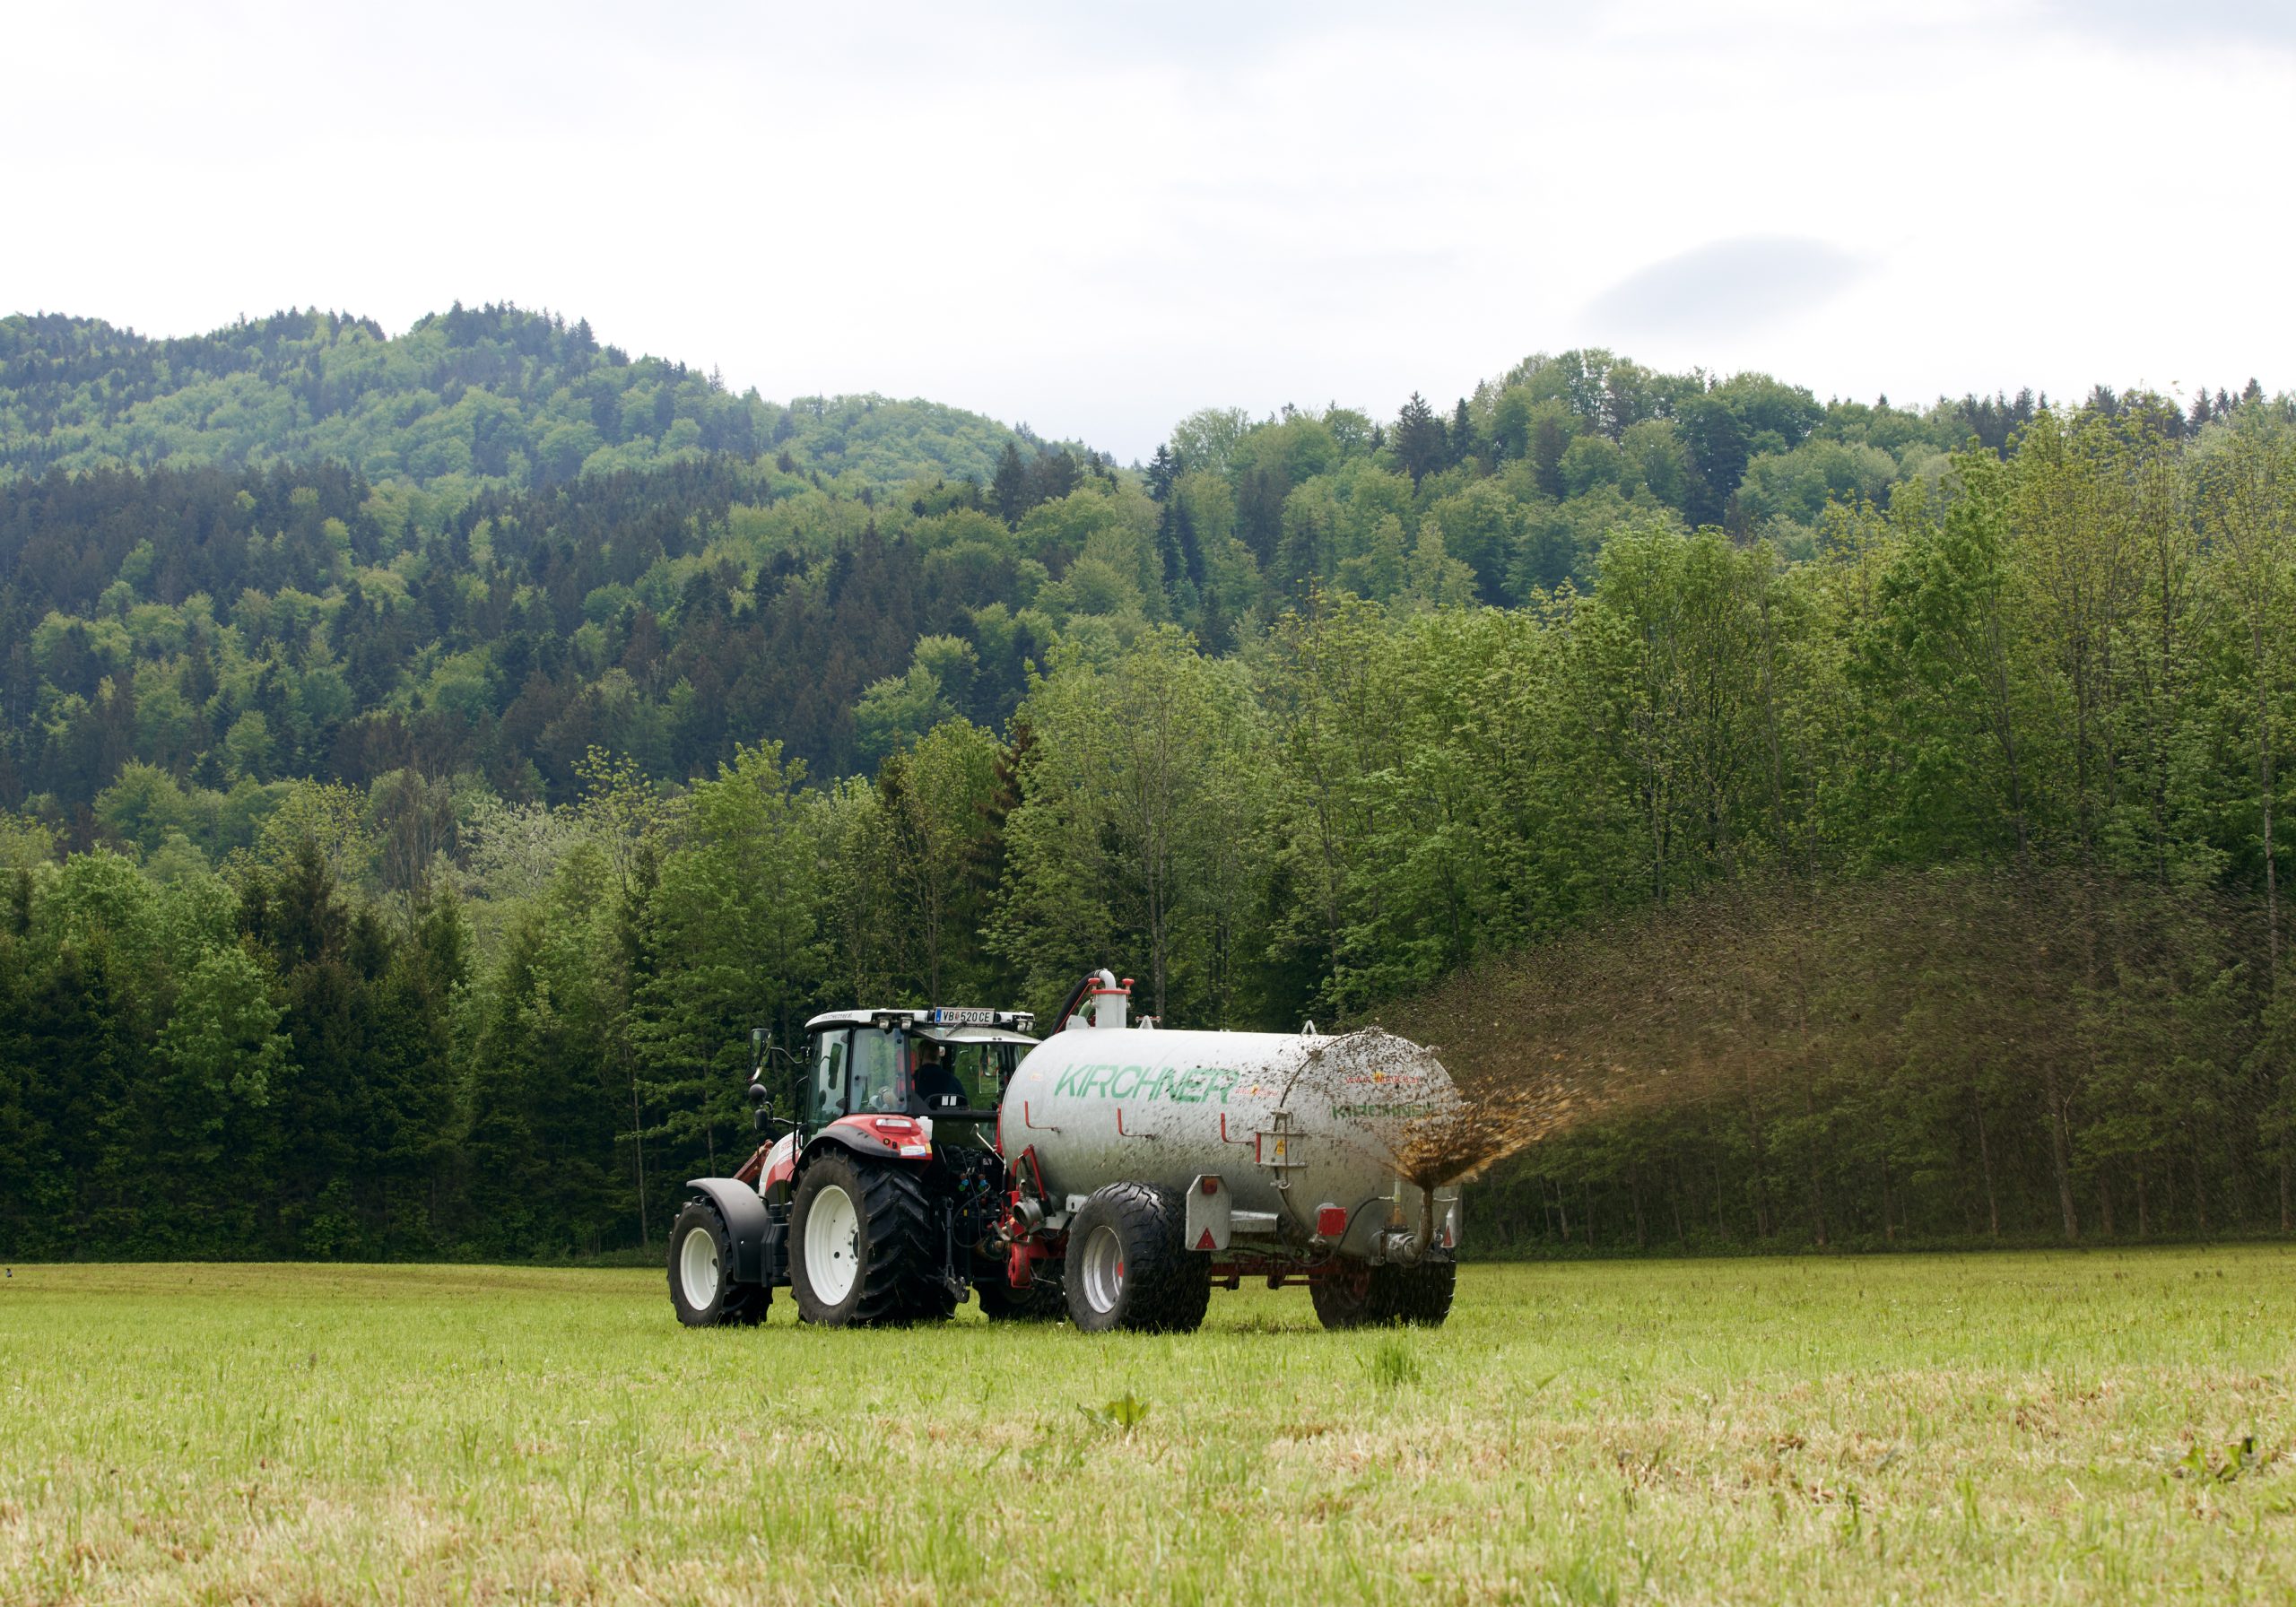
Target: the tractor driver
(935, 1085)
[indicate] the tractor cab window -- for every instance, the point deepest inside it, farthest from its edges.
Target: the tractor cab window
(876, 1073)
(825, 1099)
(981, 1069)
(865, 1071)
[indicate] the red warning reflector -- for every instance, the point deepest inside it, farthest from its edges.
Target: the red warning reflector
(1211, 1184)
(1331, 1221)
(1204, 1241)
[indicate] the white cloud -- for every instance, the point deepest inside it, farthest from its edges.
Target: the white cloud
(1099, 221)
(1747, 284)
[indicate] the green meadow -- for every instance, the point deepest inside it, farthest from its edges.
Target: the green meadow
(2108, 1426)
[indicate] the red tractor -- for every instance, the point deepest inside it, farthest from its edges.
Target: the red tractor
(872, 1202)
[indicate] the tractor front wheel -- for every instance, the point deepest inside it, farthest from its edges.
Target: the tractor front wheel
(1129, 1265)
(702, 1273)
(865, 1249)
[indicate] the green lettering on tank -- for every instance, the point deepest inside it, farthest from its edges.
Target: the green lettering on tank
(1386, 1112)
(1109, 1079)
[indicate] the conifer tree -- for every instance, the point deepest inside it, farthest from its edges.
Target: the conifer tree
(1008, 492)
(1418, 440)
(1162, 470)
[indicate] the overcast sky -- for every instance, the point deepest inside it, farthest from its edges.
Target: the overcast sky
(1097, 220)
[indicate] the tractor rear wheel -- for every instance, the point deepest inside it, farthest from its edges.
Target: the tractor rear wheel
(1381, 1297)
(702, 1273)
(934, 1303)
(864, 1250)
(1129, 1266)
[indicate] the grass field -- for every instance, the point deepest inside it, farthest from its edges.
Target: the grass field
(2107, 1426)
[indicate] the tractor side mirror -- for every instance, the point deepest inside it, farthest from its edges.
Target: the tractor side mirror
(764, 1118)
(761, 1087)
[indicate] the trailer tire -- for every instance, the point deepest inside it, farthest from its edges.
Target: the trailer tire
(1384, 1296)
(863, 1252)
(1129, 1266)
(1042, 1301)
(701, 1264)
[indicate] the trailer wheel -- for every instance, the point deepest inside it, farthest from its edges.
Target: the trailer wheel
(864, 1253)
(1423, 1296)
(1381, 1297)
(701, 1265)
(1041, 1302)
(1128, 1263)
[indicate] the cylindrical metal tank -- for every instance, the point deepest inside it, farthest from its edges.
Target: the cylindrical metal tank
(1294, 1124)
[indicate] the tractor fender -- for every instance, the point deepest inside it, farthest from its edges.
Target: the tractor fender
(865, 1137)
(746, 1222)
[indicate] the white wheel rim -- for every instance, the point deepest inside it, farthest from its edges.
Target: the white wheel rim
(698, 1268)
(833, 1246)
(1104, 1268)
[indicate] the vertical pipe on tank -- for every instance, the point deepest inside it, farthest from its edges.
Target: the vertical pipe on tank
(1111, 1002)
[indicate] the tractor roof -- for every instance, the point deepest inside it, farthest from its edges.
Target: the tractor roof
(955, 1026)
(973, 1035)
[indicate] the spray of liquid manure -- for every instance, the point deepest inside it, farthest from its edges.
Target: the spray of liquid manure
(1764, 989)
(1413, 1119)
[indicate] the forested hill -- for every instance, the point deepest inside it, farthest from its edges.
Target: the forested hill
(468, 398)
(406, 862)
(488, 545)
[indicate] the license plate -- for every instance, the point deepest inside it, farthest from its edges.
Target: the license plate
(964, 1017)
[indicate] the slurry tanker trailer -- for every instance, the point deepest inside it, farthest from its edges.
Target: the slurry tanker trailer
(1112, 1173)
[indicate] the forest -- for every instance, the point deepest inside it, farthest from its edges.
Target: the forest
(408, 817)
(467, 399)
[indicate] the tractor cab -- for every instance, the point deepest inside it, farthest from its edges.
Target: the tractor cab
(909, 1063)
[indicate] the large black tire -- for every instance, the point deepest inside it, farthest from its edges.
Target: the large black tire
(701, 1263)
(1042, 1301)
(877, 1240)
(1383, 1296)
(1128, 1265)
(935, 1302)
